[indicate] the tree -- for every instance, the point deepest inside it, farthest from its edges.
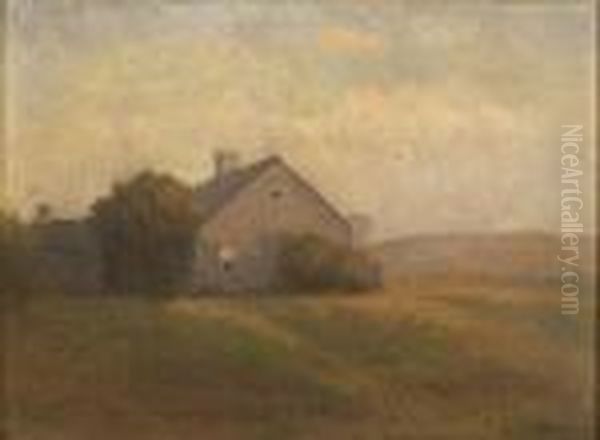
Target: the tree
(146, 229)
(43, 213)
(16, 257)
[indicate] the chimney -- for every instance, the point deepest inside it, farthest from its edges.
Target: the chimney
(225, 162)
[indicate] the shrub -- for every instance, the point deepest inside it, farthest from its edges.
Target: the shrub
(312, 263)
(146, 229)
(17, 269)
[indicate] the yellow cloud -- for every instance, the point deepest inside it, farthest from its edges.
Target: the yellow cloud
(350, 41)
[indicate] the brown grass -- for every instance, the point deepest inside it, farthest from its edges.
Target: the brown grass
(444, 359)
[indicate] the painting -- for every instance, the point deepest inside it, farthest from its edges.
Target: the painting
(297, 219)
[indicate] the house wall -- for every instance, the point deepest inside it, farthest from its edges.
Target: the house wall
(237, 248)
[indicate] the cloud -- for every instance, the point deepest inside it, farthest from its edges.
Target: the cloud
(343, 40)
(395, 121)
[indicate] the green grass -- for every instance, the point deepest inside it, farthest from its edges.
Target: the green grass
(396, 364)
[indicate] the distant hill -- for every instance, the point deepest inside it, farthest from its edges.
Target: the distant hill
(530, 255)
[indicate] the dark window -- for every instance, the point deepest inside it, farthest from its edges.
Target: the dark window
(276, 194)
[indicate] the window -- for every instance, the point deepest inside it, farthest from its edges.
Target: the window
(276, 194)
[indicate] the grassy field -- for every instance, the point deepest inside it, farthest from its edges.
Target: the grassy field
(436, 359)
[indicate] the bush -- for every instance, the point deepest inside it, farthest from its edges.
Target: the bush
(147, 231)
(17, 269)
(311, 263)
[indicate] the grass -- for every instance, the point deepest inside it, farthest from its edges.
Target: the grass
(428, 360)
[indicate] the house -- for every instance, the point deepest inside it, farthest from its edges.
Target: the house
(246, 210)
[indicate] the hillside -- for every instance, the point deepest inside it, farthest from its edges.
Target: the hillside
(522, 256)
(443, 360)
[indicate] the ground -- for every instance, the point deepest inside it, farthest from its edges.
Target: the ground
(459, 358)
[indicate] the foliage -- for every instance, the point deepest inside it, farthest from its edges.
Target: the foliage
(16, 260)
(309, 262)
(146, 229)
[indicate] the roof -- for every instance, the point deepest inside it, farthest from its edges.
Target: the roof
(215, 194)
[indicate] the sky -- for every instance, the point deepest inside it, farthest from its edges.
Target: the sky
(429, 117)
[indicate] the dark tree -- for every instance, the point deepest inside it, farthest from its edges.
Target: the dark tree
(146, 229)
(16, 263)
